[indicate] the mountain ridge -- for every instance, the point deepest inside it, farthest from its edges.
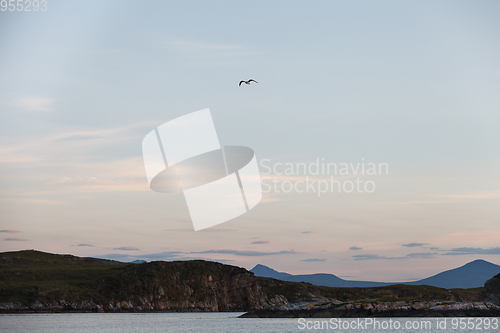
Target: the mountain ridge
(328, 280)
(471, 275)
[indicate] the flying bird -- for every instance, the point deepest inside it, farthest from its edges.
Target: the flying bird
(247, 82)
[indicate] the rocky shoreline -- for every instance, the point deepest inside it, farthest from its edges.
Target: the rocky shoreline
(294, 310)
(91, 307)
(386, 309)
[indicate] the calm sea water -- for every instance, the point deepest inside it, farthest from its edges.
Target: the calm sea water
(225, 322)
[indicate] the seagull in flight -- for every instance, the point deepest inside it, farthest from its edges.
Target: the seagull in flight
(247, 82)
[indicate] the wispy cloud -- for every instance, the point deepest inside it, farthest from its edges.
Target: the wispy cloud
(65, 140)
(449, 198)
(12, 239)
(309, 232)
(126, 248)
(33, 103)
(85, 245)
(177, 255)
(477, 195)
(190, 230)
(369, 257)
(162, 256)
(472, 250)
(77, 137)
(81, 170)
(426, 255)
(101, 184)
(314, 260)
(416, 202)
(44, 202)
(245, 253)
(151, 256)
(202, 49)
(260, 242)
(414, 244)
(10, 231)
(355, 248)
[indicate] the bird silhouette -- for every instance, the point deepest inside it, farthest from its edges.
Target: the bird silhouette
(247, 82)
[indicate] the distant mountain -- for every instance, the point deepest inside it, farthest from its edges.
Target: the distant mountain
(138, 261)
(320, 279)
(471, 275)
(264, 271)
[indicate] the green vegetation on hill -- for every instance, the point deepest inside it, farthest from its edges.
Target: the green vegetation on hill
(27, 276)
(392, 293)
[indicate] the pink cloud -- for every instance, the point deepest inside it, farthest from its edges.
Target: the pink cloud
(10, 231)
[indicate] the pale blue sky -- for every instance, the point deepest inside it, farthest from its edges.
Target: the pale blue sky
(413, 84)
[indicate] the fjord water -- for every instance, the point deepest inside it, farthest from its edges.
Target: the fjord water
(221, 322)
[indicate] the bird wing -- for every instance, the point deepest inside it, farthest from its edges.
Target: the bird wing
(252, 80)
(241, 83)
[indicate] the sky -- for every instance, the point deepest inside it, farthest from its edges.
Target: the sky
(414, 86)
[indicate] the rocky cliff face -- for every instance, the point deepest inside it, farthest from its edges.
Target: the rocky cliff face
(491, 292)
(158, 286)
(182, 286)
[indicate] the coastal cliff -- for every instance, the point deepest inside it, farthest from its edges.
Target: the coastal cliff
(491, 291)
(37, 281)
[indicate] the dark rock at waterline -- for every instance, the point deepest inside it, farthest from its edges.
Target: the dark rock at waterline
(477, 309)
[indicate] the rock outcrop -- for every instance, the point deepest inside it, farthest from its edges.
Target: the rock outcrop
(491, 292)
